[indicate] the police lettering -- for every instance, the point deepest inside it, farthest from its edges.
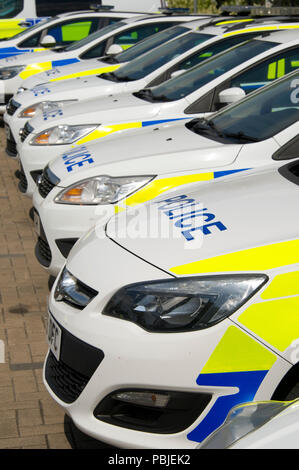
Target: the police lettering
(184, 211)
(77, 158)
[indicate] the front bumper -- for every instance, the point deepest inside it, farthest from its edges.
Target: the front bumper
(61, 226)
(33, 160)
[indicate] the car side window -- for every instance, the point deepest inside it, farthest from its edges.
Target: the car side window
(11, 8)
(32, 41)
(96, 51)
(136, 34)
(288, 150)
(66, 32)
(267, 71)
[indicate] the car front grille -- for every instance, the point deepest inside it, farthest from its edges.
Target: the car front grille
(11, 146)
(47, 183)
(65, 382)
(77, 363)
(12, 107)
(23, 183)
(27, 130)
(43, 252)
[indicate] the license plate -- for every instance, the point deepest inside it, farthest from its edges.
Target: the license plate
(7, 131)
(36, 222)
(54, 337)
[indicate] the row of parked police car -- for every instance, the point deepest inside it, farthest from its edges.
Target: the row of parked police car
(161, 155)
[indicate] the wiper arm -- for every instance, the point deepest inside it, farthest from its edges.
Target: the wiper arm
(145, 93)
(241, 136)
(109, 59)
(201, 124)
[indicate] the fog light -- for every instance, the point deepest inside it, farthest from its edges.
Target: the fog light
(156, 411)
(156, 400)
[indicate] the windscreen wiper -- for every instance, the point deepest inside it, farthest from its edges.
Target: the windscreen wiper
(241, 136)
(203, 125)
(109, 59)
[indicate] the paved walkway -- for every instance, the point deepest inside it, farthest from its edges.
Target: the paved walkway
(29, 418)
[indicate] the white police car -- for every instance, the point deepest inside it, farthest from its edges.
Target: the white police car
(129, 31)
(58, 31)
(92, 182)
(111, 61)
(146, 70)
(221, 25)
(197, 92)
(163, 319)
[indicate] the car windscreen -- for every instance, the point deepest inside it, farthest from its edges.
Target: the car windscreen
(260, 116)
(146, 64)
(97, 35)
(190, 81)
(147, 45)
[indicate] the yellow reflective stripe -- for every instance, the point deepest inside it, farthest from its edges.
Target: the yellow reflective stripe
(238, 352)
(275, 321)
(103, 131)
(295, 63)
(9, 28)
(288, 27)
(157, 187)
(261, 28)
(126, 46)
(283, 285)
(233, 21)
(41, 49)
(32, 69)
(271, 71)
(85, 73)
(281, 68)
(249, 30)
(261, 258)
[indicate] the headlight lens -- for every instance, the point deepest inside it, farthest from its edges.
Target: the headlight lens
(61, 135)
(44, 106)
(10, 72)
(242, 420)
(72, 291)
(102, 190)
(185, 304)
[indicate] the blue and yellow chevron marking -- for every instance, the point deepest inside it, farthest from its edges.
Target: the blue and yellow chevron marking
(240, 362)
(11, 51)
(86, 73)
(11, 27)
(159, 186)
(103, 131)
(39, 67)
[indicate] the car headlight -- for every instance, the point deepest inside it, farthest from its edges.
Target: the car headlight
(101, 190)
(10, 72)
(72, 291)
(44, 106)
(61, 135)
(185, 304)
(242, 420)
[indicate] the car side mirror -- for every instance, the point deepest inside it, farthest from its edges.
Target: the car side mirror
(231, 95)
(176, 73)
(48, 41)
(114, 49)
